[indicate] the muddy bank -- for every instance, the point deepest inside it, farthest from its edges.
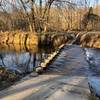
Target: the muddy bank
(88, 39)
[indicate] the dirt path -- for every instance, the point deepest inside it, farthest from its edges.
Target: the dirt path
(65, 79)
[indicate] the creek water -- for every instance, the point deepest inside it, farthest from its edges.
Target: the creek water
(93, 58)
(73, 55)
(20, 59)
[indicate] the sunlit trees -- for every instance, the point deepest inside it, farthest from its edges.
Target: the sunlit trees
(44, 15)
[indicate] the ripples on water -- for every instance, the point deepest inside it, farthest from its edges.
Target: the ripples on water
(21, 59)
(93, 57)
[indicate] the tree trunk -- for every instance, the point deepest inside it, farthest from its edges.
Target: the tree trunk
(33, 10)
(45, 28)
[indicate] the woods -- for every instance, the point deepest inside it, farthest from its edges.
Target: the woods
(47, 15)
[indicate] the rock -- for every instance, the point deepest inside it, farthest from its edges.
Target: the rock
(43, 64)
(34, 74)
(39, 70)
(50, 58)
(47, 61)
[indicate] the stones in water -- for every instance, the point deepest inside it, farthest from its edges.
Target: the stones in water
(47, 61)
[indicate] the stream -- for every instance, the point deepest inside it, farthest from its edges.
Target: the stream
(93, 58)
(24, 61)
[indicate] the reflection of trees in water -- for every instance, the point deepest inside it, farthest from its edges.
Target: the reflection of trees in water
(18, 58)
(22, 62)
(2, 60)
(28, 62)
(34, 59)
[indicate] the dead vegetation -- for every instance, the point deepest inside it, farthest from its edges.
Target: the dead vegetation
(48, 15)
(19, 37)
(88, 39)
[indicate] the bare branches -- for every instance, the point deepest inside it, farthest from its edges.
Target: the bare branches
(42, 15)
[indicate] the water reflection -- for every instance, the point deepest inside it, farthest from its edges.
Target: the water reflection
(20, 58)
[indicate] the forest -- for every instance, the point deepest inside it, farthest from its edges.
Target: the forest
(49, 49)
(49, 15)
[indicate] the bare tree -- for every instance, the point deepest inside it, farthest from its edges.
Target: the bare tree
(44, 15)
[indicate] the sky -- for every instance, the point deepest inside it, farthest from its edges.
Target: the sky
(93, 2)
